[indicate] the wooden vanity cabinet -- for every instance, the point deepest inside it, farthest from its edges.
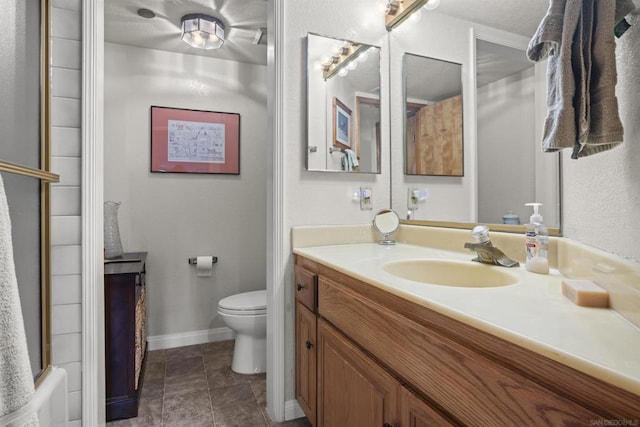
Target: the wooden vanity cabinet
(306, 343)
(353, 390)
(125, 333)
(337, 384)
(378, 351)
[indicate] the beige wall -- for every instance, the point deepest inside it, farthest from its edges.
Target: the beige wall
(602, 192)
(177, 216)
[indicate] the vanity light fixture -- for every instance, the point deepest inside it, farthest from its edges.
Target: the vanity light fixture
(345, 57)
(202, 31)
(399, 10)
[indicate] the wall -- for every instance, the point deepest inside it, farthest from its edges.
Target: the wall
(601, 198)
(177, 216)
(317, 197)
(66, 285)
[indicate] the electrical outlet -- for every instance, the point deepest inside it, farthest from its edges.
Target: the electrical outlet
(413, 195)
(365, 199)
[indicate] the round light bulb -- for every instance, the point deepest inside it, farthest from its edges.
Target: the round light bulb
(363, 56)
(432, 4)
(343, 72)
(352, 65)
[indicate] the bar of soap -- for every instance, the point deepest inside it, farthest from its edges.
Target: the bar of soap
(585, 293)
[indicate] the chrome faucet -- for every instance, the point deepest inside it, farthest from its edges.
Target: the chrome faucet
(485, 251)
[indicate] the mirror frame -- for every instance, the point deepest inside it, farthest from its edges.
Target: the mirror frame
(45, 191)
(498, 37)
(331, 129)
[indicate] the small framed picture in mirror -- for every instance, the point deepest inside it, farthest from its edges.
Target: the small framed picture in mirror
(341, 124)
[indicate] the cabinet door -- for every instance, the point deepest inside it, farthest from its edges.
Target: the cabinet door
(414, 412)
(305, 287)
(306, 361)
(353, 390)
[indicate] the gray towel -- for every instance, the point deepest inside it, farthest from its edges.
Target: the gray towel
(553, 40)
(16, 381)
(578, 38)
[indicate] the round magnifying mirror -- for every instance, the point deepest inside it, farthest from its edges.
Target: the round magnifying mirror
(386, 222)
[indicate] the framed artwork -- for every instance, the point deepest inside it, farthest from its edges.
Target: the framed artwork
(341, 124)
(194, 141)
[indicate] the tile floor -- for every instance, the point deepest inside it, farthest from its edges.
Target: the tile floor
(194, 386)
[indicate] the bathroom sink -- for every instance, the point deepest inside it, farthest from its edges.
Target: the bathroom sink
(450, 273)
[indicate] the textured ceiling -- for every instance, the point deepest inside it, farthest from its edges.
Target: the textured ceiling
(515, 16)
(242, 18)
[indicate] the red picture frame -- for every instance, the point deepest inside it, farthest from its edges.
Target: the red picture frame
(194, 141)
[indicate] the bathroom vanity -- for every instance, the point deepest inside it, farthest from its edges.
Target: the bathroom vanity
(125, 333)
(370, 353)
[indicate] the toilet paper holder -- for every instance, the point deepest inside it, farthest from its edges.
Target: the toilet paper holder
(194, 260)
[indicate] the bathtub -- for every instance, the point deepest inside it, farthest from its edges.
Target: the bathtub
(49, 401)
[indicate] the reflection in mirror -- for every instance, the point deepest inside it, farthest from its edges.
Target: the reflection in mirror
(343, 105)
(512, 170)
(433, 122)
(449, 35)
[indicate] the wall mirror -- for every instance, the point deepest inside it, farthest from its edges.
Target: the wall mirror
(25, 165)
(343, 105)
(512, 170)
(433, 120)
(503, 111)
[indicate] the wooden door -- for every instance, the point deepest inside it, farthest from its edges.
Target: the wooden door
(306, 361)
(439, 146)
(353, 390)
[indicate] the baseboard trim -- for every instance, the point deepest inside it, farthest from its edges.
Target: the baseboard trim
(161, 342)
(292, 410)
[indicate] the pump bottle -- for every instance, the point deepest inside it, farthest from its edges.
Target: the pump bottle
(536, 242)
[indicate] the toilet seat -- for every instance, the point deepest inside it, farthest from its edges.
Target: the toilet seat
(244, 304)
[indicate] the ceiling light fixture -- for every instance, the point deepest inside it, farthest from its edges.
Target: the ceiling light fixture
(399, 10)
(202, 31)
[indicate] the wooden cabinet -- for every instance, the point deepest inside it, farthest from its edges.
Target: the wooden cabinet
(414, 412)
(306, 343)
(306, 360)
(352, 389)
(392, 362)
(125, 333)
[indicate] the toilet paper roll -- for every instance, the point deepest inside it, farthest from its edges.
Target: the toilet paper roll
(204, 265)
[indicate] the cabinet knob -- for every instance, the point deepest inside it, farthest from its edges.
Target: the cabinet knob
(299, 287)
(386, 425)
(309, 344)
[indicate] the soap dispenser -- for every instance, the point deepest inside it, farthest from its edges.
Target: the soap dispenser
(536, 242)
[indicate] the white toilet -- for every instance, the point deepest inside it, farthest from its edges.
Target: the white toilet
(246, 315)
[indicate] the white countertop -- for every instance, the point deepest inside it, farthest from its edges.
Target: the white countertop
(532, 313)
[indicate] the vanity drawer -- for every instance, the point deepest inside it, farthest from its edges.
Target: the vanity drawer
(472, 388)
(306, 287)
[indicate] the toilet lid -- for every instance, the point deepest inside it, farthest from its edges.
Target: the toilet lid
(256, 300)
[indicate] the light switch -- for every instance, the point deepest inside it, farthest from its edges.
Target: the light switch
(412, 198)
